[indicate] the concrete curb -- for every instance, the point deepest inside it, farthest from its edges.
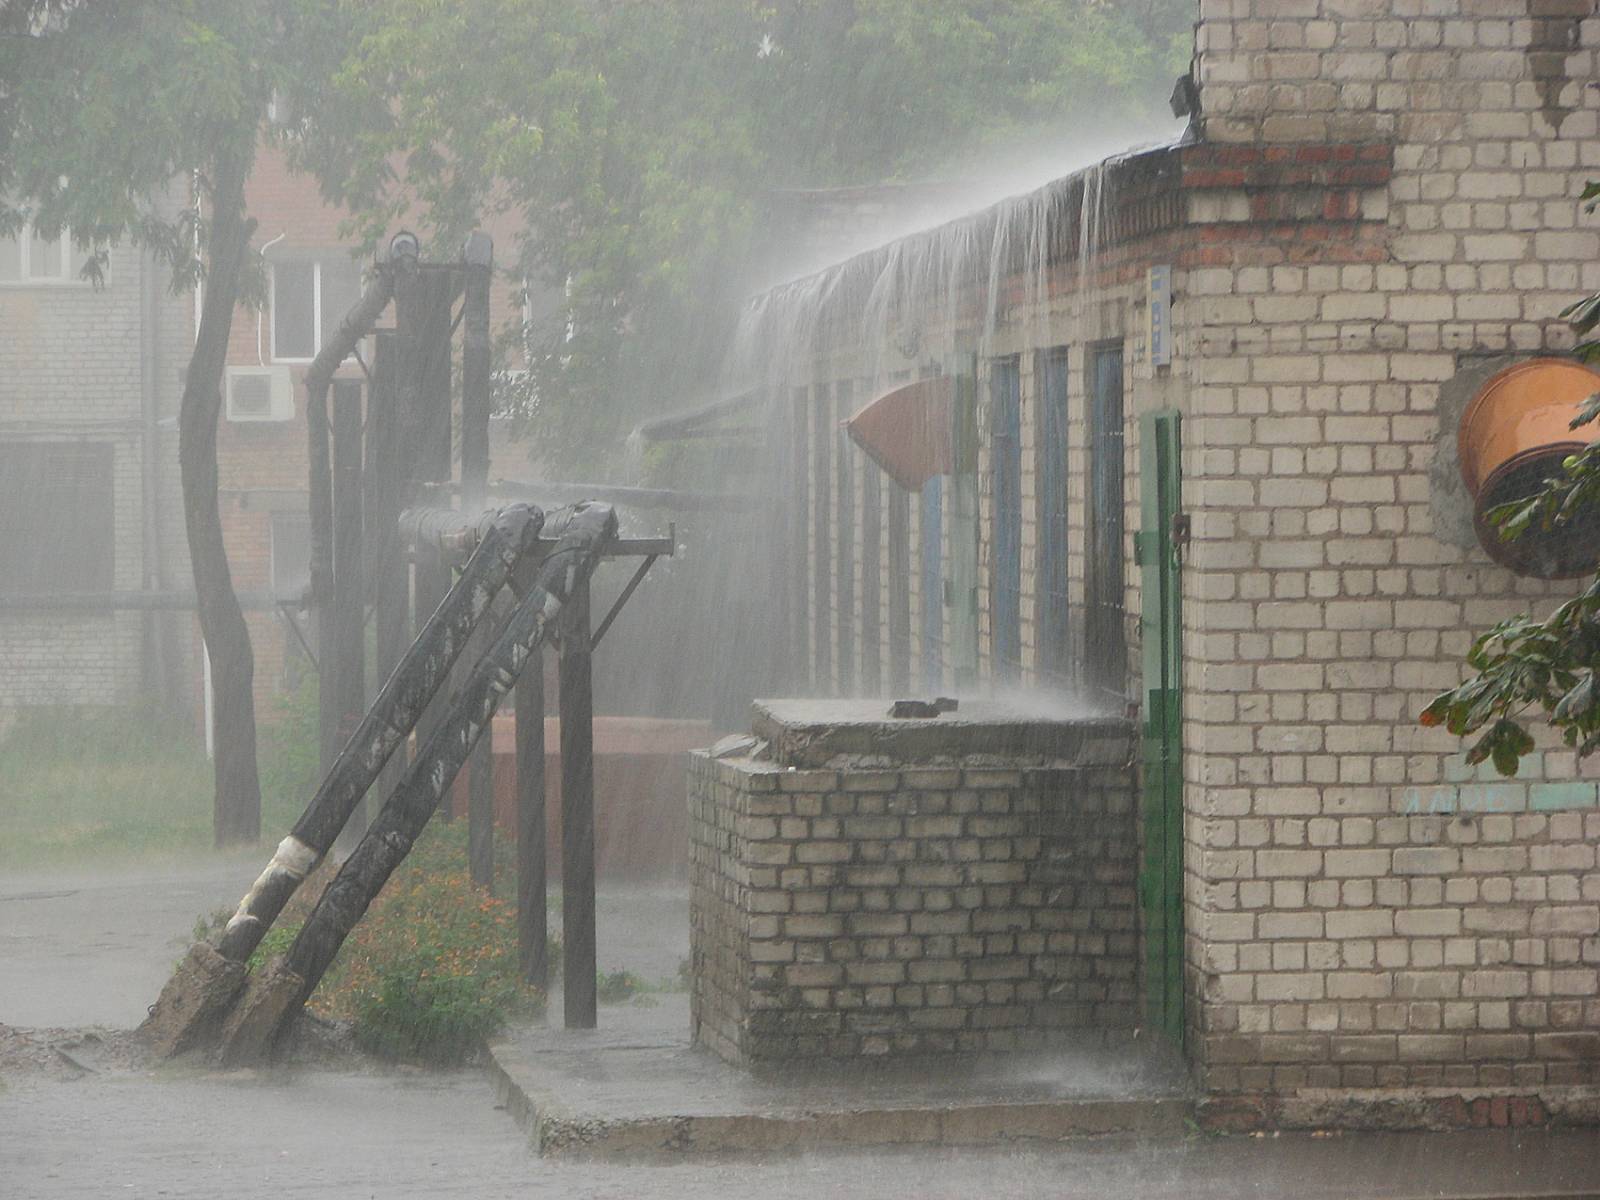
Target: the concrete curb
(555, 1130)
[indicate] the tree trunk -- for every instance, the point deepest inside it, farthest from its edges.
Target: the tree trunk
(237, 806)
(355, 325)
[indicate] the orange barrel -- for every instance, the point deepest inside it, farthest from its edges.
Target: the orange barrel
(1513, 437)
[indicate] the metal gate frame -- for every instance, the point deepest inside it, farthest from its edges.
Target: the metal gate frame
(1158, 549)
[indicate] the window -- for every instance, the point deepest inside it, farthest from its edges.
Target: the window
(26, 258)
(1051, 380)
(931, 561)
(844, 570)
(56, 516)
(871, 578)
(309, 298)
(1005, 507)
(821, 554)
(1105, 648)
(291, 553)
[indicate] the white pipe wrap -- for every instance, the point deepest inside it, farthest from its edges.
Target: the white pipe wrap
(293, 858)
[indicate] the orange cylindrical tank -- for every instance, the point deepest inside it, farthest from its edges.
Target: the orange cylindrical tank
(1513, 437)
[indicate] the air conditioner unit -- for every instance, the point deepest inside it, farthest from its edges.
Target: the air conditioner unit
(260, 394)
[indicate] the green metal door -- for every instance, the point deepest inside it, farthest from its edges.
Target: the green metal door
(1159, 546)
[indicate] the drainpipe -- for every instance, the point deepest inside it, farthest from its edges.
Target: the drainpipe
(261, 360)
(156, 628)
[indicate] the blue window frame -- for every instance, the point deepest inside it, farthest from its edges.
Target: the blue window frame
(845, 564)
(821, 551)
(1105, 638)
(931, 564)
(1005, 499)
(1053, 627)
(871, 579)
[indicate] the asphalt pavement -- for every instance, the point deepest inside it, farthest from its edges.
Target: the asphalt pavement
(90, 947)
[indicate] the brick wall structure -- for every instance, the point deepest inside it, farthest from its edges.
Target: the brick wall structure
(912, 907)
(1377, 206)
(97, 367)
(1363, 909)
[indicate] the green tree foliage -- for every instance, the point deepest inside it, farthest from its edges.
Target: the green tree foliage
(1545, 666)
(634, 143)
(138, 120)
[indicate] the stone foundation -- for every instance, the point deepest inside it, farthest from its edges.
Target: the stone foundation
(982, 899)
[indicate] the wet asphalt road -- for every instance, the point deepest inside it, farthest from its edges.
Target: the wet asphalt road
(93, 947)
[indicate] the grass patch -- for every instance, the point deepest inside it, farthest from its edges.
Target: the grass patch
(110, 783)
(621, 987)
(99, 782)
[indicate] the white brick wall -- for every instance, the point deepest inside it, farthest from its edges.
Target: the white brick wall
(71, 358)
(1366, 911)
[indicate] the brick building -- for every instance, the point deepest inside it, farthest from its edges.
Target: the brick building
(1374, 208)
(311, 282)
(90, 383)
(90, 378)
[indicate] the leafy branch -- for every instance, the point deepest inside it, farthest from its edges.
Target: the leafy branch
(1522, 663)
(1546, 666)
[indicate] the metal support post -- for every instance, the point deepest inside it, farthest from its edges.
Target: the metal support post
(476, 386)
(345, 677)
(532, 942)
(577, 816)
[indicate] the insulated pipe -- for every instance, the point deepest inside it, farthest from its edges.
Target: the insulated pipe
(512, 533)
(1514, 436)
(563, 574)
(450, 533)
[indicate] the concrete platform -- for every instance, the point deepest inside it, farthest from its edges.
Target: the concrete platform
(637, 1086)
(804, 733)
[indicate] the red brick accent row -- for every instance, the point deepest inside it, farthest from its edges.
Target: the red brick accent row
(1332, 166)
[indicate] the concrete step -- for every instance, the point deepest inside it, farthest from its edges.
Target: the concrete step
(636, 1086)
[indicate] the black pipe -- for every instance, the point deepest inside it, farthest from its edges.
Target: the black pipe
(669, 499)
(562, 574)
(394, 712)
(578, 985)
(128, 601)
(342, 688)
(533, 955)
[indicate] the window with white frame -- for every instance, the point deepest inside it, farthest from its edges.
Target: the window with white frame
(310, 296)
(27, 258)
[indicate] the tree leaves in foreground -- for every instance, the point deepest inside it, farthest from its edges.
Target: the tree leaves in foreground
(1546, 666)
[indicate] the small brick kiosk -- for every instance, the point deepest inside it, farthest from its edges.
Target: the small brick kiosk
(862, 885)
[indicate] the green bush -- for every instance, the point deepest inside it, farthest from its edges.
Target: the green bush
(432, 969)
(619, 986)
(419, 1015)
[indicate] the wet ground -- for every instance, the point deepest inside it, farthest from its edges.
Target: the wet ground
(81, 1116)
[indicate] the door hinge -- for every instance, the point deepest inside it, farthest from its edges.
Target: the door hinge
(1180, 531)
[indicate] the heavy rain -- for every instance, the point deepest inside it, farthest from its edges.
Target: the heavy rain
(810, 598)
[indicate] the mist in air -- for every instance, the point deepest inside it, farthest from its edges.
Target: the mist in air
(476, 476)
